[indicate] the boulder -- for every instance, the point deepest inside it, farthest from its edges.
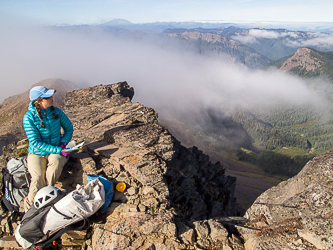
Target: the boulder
(297, 212)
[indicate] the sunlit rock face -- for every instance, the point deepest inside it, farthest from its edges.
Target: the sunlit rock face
(175, 197)
(297, 212)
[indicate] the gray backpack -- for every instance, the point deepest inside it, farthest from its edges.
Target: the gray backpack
(15, 186)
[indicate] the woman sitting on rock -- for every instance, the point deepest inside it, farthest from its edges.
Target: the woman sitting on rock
(42, 124)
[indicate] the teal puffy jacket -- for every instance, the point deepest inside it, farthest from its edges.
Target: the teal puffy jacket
(43, 141)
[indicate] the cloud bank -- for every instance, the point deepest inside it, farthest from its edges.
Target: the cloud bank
(164, 77)
(315, 39)
(293, 39)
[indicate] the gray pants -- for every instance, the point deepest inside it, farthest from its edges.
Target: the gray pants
(44, 171)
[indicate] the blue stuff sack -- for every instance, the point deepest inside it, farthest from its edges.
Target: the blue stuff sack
(108, 187)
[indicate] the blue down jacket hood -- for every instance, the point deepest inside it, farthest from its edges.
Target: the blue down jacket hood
(43, 141)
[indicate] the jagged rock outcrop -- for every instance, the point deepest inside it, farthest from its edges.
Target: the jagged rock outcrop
(175, 197)
(297, 213)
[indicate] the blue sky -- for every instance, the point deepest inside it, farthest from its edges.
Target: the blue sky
(141, 11)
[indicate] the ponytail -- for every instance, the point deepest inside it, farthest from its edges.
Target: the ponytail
(55, 117)
(37, 107)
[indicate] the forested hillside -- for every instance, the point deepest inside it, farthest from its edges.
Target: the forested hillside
(286, 136)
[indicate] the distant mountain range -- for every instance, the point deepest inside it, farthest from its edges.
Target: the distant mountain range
(271, 43)
(216, 45)
(160, 26)
(254, 47)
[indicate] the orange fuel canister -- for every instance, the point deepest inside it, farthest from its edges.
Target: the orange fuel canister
(121, 186)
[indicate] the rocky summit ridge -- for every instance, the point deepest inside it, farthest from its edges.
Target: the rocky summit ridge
(176, 198)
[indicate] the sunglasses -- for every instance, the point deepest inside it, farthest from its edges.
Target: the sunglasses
(46, 98)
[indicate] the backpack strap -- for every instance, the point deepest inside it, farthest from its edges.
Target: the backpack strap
(75, 226)
(7, 188)
(10, 220)
(6, 204)
(8, 191)
(27, 178)
(67, 217)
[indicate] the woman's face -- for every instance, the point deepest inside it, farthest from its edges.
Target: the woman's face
(46, 102)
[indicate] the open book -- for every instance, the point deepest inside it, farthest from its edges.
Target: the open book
(71, 146)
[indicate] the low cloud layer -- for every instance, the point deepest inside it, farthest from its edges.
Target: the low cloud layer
(292, 39)
(163, 77)
(271, 34)
(316, 39)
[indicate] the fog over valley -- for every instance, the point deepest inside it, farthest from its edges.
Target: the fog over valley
(293, 38)
(164, 76)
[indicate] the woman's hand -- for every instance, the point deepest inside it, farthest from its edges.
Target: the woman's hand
(63, 146)
(66, 154)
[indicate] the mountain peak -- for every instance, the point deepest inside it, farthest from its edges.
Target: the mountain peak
(118, 22)
(303, 59)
